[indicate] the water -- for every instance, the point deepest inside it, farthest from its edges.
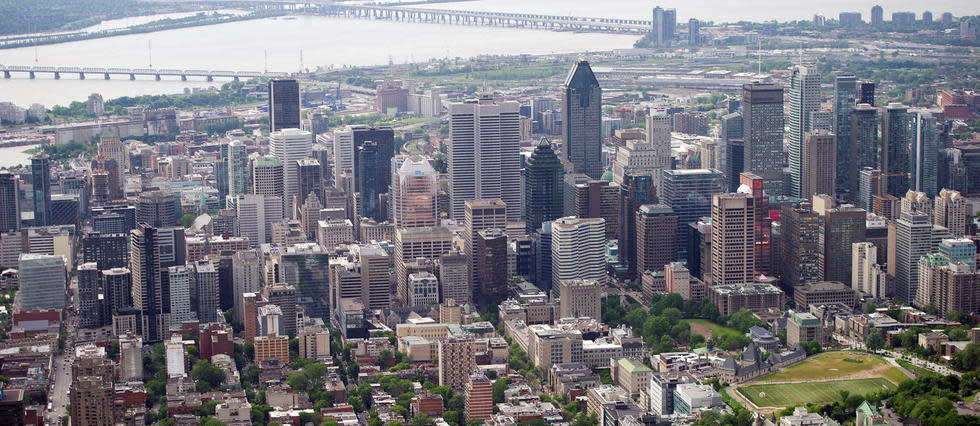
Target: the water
(12, 156)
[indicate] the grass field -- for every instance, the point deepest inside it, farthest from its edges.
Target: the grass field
(919, 371)
(828, 366)
(786, 394)
(704, 327)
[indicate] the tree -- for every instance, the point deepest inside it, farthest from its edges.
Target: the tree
(452, 417)
(207, 375)
(210, 421)
(499, 387)
(187, 220)
(875, 341)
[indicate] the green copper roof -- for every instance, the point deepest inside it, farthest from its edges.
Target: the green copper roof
(608, 175)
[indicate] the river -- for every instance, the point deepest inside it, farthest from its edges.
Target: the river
(12, 156)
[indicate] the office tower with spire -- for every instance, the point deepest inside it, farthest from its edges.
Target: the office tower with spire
(578, 250)
(732, 238)
(582, 121)
(484, 154)
(9, 202)
(415, 187)
(819, 164)
(284, 106)
(41, 184)
(804, 99)
(924, 157)
(845, 97)
(289, 146)
(239, 169)
(762, 131)
(896, 144)
(543, 187)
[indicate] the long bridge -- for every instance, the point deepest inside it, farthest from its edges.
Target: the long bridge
(449, 16)
(210, 75)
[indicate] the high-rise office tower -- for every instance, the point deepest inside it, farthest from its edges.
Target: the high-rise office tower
(578, 249)
(593, 198)
(91, 387)
(415, 187)
(635, 191)
(384, 140)
(877, 15)
(732, 238)
(950, 210)
(43, 281)
(946, 285)
(41, 182)
(754, 184)
(688, 192)
(914, 237)
(582, 122)
(239, 170)
(289, 146)
(118, 287)
(543, 187)
(310, 179)
(343, 159)
(305, 267)
(819, 164)
(256, 214)
(866, 93)
(152, 251)
(804, 98)
(490, 258)
(896, 144)
(924, 158)
(658, 139)
(959, 250)
(843, 226)
(484, 154)
(917, 203)
(284, 296)
(206, 283)
(245, 278)
(9, 202)
(802, 255)
(182, 302)
(369, 184)
(762, 131)
(90, 305)
(845, 96)
(664, 26)
(579, 298)
(865, 270)
(220, 180)
(693, 32)
(656, 237)
(480, 215)
(862, 145)
(430, 244)
(284, 105)
(158, 209)
(267, 178)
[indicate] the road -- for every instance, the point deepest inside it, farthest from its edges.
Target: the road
(61, 371)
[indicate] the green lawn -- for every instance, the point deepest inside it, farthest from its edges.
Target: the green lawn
(787, 394)
(699, 325)
(827, 366)
(919, 371)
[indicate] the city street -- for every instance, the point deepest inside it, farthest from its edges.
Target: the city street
(61, 371)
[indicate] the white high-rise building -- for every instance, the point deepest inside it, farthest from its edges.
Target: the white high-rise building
(290, 145)
(732, 238)
(267, 178)
(484, 154)
(950, 211)
(246, 275)
(415, 187)
(343, 159)
(180, 294)
(256, 214)
(915, 237)
(206, 284)
(867, 276)
(578, 249)
(804, 99)
(43, 281)
(658, 138)
(239, 175)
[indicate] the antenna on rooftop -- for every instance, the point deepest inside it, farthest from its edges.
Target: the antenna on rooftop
(149, 51)
(265, 54)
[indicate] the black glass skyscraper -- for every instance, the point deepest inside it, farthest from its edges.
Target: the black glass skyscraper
(41, 181)
(635, 191)
(845, 95)
(283, 105)
(9, 213)
(543, 186)
(583, 121)
(384, 138)
(370, 181)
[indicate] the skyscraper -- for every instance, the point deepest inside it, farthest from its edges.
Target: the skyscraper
(656, 237)
(914, 237)
(950, 211)
(157, 208)
(862, 145)
(946, 285)
(239, 172)
(804, 98)
(802, 255)
(256, 214)
(664, 25)
(755, 185)
(41, 182)
(267, 177)
(877, 15)
(732, 238)
(896, 144)
(43, 281)
(543, 187)
(370, 184)
(583, 121)
(9, 202)
(925, 157)
(843, 226)
(819, 164)
(635, 191)
(688, 192)
(484, 154)
(310, 179)
(181, 301)
(845, 95)
(762, 121)
(480, 215)
(693, 32)
(284, 106)
(152, 251)
(289, 146)
(415, 188)
(384, 139)
(578, 249)
(91, 387)
(490, 258)
(206, 283)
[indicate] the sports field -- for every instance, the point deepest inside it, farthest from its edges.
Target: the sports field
(786, 394)
(829, 366)
(707, 328)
